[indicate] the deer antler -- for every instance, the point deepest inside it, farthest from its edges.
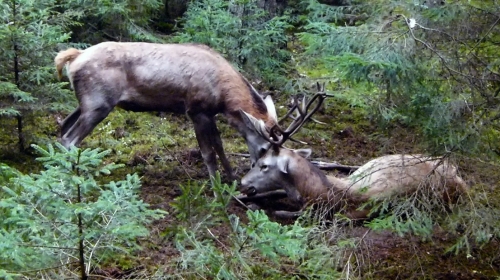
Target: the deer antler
(303, 102)
(278, 136)
(297, 115)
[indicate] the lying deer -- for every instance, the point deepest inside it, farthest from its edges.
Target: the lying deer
(380, 178)
(178, 78)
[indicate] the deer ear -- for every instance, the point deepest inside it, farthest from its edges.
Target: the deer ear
(282, 164)
(305, 153)
(271, 109)
(247, 118)
(253, 123)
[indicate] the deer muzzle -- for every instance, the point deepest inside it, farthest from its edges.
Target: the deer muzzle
(247, 187)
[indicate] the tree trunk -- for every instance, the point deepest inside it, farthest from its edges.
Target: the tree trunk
(273, 7)
(20, 134)
(19, 118)
(334, 2)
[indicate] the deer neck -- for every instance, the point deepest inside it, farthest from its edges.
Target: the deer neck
(310, 182)
(342, 197)
(338, 184)
(255, 139)
(243, 96)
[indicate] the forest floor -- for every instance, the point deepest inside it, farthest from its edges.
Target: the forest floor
(378, 254)
(348, 138)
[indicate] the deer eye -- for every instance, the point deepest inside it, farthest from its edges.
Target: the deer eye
(264, 167)
(262, 151)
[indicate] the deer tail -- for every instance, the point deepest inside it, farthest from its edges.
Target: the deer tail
(64, 57)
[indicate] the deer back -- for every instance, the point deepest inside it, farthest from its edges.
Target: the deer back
(164, 77)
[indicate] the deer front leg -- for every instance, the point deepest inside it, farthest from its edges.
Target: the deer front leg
(282, 214)
(203, 129)
(219, 149)
(274, 195)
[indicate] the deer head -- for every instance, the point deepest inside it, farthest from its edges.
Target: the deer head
(273, 162)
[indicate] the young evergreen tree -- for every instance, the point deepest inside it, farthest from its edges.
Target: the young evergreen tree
(29, 34)
(255, 249)
(64, 221)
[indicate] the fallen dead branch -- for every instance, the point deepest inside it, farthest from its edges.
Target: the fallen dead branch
(335, 166)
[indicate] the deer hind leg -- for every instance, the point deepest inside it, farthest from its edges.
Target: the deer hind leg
(70, 120)
(87, 120)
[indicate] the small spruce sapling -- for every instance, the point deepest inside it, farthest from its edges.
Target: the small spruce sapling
(63, 220)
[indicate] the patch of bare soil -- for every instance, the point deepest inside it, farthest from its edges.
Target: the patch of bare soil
(385, 255)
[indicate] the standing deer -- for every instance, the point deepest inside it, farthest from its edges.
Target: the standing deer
(178, 78)
(380, 178)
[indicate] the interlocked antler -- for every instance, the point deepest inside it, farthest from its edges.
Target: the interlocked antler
(278, 136)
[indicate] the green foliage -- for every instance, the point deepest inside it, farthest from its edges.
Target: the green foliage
(409, 73)
(259, 249)
(438, 79)
(46, 215)
(476, 222)
(245, 34)
(273, 240)
(29, 34)
(6, 173)
(192, 207)
(121, 20)
(403, 218)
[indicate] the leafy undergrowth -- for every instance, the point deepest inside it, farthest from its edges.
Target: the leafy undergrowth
(204, 237)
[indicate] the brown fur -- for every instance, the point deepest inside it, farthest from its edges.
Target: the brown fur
(387, 176)
(229, 80)
(315, 187)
